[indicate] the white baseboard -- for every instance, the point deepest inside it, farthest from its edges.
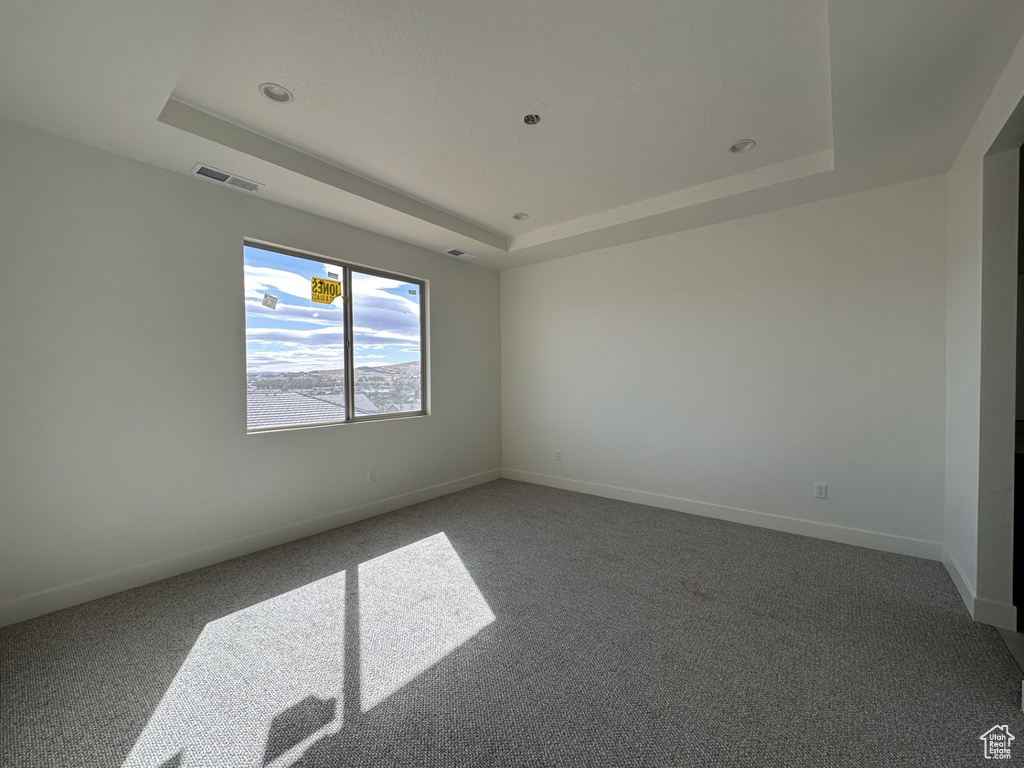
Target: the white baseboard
(929, 550)
(960, 580)
(53, 599)
(1002, 615)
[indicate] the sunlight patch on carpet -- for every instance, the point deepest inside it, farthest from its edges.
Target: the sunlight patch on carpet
(417, 604)
(258, 684)
(263, 684)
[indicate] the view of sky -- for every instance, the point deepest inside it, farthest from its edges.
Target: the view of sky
(298, 335)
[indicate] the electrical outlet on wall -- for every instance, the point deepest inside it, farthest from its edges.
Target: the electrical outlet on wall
(821, 490)
(558, 455)
(371, 475)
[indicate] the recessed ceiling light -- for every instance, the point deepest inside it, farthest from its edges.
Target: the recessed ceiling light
(743, 145)
(276, 92)
(531, 119)
(520, 216)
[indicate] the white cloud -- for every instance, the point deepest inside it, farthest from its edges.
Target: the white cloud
(293, 358)
(276, 281)
(314, 336)
(327, 314)
(368, 336)
(307, 337)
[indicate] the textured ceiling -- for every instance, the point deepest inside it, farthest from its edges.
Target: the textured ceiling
(407, 118)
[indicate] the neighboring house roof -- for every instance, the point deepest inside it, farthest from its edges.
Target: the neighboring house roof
(403, 407)
(363, 403)
(285, 409)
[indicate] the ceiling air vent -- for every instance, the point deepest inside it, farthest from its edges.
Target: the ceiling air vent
(460, 254)
(209, 172)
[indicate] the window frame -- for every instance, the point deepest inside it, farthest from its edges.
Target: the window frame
(347, 267)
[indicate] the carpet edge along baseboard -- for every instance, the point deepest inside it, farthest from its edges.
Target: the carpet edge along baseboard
(885, 542)
(83, 590)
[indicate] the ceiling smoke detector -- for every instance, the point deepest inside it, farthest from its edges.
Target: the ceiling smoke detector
(520, 216)
(276, 92)
(743, 145)
(531, 119)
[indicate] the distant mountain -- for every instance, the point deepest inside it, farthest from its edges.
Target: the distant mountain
(402, 369)
(381, 387)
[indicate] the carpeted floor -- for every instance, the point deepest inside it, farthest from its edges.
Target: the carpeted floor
(517, 625)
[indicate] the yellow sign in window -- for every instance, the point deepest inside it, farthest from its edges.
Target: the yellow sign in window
(325, 291)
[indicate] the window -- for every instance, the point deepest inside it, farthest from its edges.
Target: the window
(328, 342)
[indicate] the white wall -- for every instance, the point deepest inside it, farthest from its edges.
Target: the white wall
(124, 455)
(725, 370)
(963, 374)
(998, 381)
(981, 196)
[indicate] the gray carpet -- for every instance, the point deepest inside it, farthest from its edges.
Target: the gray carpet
(516, 625)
